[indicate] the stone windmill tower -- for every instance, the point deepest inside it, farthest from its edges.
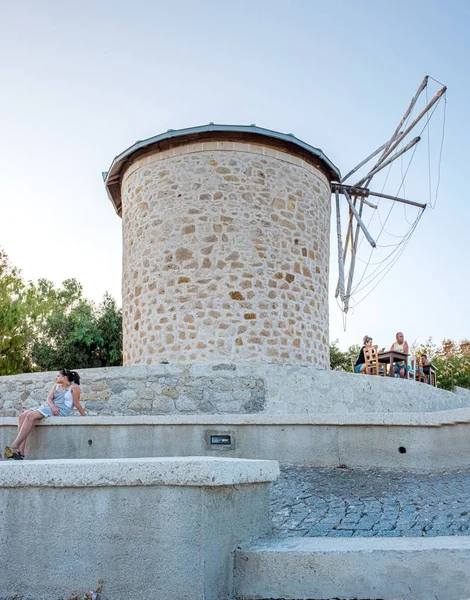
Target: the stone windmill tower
(225, 247)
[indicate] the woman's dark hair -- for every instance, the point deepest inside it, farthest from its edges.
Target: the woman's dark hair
(72, 376)
(365, 339)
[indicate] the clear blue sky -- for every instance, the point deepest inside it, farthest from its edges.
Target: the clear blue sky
(81, 81)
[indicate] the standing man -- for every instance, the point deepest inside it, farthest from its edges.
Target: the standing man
(400, 346)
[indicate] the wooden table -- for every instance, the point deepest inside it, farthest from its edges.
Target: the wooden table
(391, 356)
(430, 371)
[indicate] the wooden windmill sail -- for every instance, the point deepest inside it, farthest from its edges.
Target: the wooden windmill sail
(358, 195)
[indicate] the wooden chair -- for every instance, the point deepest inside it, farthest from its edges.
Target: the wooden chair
(413, 361)
(418, 375)
(383, 369)
(373, 367)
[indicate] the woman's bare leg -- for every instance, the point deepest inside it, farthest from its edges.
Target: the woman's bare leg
(21, 448)
(29, 421)
(21, 419)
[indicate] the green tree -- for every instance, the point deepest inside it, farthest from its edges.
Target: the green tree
(43, 327)
(343, 361)
(452, 362)
(451, 359)
(77, 334)
(16, 319)
(109, 322)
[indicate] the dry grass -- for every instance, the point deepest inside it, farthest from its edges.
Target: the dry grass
(91, 595)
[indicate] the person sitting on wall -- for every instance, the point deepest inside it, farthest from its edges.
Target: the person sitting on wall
(400, 346)
(63, 397)
(360, 366)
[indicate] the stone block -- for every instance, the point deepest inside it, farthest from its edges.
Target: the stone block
(385, 568)
(149, 528)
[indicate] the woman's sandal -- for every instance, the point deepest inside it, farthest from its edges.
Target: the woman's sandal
(12, 454)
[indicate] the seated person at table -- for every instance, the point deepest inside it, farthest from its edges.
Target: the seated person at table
(400, 346)
(423, 360)
(360, 366)
(418, 366)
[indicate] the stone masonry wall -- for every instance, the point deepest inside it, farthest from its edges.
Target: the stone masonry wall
(158, 390)
(225, 257)
(229, 389)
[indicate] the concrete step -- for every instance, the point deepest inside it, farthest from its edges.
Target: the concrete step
(354, 568)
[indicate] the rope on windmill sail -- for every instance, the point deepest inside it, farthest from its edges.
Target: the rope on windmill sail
(380, 264)
(399, 248)
(442, 142)
(440, 154)
(393, 204)
(390, 267)
(405, 124)
(429, 157)
(384, 275)
(377, 203)
(383, 265)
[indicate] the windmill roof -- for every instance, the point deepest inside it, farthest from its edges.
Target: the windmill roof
(248, 133)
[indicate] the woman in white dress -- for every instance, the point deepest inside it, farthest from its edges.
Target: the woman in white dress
(63, 397)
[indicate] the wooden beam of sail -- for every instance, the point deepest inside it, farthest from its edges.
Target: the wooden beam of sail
(374, 206)
(349, 230)
(389, 161)
(340, 250)
(353, 263)
(350, 226)
(366, 160)
(362, 192)
(410, 202)
(396, 133)
(348, 237)
(359, 220)
(402, 135)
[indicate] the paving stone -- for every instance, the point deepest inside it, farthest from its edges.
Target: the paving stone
(370, 502)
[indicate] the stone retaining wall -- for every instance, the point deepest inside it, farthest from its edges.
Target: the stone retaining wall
(231, 389)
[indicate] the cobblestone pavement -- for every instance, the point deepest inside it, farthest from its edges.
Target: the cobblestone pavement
(336, 502)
